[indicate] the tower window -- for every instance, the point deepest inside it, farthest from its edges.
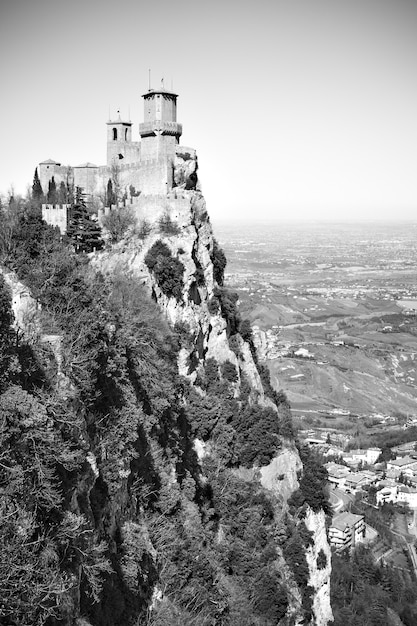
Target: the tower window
(120, 155)
(114, 134)
(125, 134)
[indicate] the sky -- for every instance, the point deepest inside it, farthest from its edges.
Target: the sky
(298, 109)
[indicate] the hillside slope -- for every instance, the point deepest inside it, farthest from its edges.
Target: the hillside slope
(163, 485)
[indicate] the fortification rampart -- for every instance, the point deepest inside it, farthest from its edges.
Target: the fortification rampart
(150, 208)
(56, 215)
(49, 169)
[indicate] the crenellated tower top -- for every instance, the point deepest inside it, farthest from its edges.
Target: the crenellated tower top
(159, 131)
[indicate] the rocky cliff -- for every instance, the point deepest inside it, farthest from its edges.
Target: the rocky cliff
(190, 239)
(163, 482)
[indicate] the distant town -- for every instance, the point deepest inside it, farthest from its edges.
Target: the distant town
(333, 313)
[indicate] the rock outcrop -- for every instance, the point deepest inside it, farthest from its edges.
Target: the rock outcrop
(191, 242)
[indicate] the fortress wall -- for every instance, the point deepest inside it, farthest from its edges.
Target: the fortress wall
(47, 170)
(129, 149)
(157, 147)
(56, 215)
(155, 177)
(87, 178)
(151, 207)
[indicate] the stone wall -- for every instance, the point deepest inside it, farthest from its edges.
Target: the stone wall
(56, 215)
(59, 172)
(87, 177)
(130, 150)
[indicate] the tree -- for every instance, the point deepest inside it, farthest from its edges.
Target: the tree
(52, 194)
(218, 258)
(110, 196)
(7, 334)
(62, 193)
(115, 180)
(118, 221)
(37, 192)
(84, 233)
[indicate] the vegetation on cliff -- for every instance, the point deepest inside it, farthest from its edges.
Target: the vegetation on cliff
(105, 506)
(363, 591)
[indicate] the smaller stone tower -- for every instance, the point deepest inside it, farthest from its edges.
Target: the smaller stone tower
(119, 142)
(160, 131)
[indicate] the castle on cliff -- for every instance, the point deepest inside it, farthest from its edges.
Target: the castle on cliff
(151, 167)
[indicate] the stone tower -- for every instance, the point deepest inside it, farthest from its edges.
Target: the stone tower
(119, 142)
(160, 132)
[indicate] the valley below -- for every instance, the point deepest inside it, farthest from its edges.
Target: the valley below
(333, 307)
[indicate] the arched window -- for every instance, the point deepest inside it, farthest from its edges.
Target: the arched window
(114, 134)
(125, 134)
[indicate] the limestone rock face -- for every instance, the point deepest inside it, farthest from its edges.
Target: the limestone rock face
(319, 578)
(26, 312)
(185, 165)
(192, 245)
(24, 306)
(280, 476)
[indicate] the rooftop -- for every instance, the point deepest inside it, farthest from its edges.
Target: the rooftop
(405, 460)
(151, 92)
(357, 478)
(345, 519)
(50, 162)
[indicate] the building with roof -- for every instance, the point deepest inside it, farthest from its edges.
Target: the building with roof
(346, 530)
(358, 480)
(398, 494)
(403, 449)
(368, 456)
(337, 474)
(402, 465)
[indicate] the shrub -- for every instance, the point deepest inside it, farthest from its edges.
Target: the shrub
(213, 306)
(168, 271)
(229, 372)
(258, 430)
(167, 226)
(211, 371)
(218, 258)
(245, 330)
(117, 223)
(228, 300)
(313, 483)
(144, 229)
(234, 345)
(321, 559)
(270, 597)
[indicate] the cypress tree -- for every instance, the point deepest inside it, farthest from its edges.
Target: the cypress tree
(110, 194)
(62, 193)
(52, 195)
(84, 233)
(37, 193)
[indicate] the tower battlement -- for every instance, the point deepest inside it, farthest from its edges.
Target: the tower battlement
(143, 167)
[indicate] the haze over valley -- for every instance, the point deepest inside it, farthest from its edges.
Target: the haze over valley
(333, 309)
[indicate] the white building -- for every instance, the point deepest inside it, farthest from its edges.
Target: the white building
(398, 494)
(368, 456)
(346, 530)
(405, 465)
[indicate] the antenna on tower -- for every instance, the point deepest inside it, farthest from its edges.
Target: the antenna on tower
(109, 113)
(128, 111)
(149, 73)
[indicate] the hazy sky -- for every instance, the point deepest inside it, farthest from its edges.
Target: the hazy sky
(297, 108)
